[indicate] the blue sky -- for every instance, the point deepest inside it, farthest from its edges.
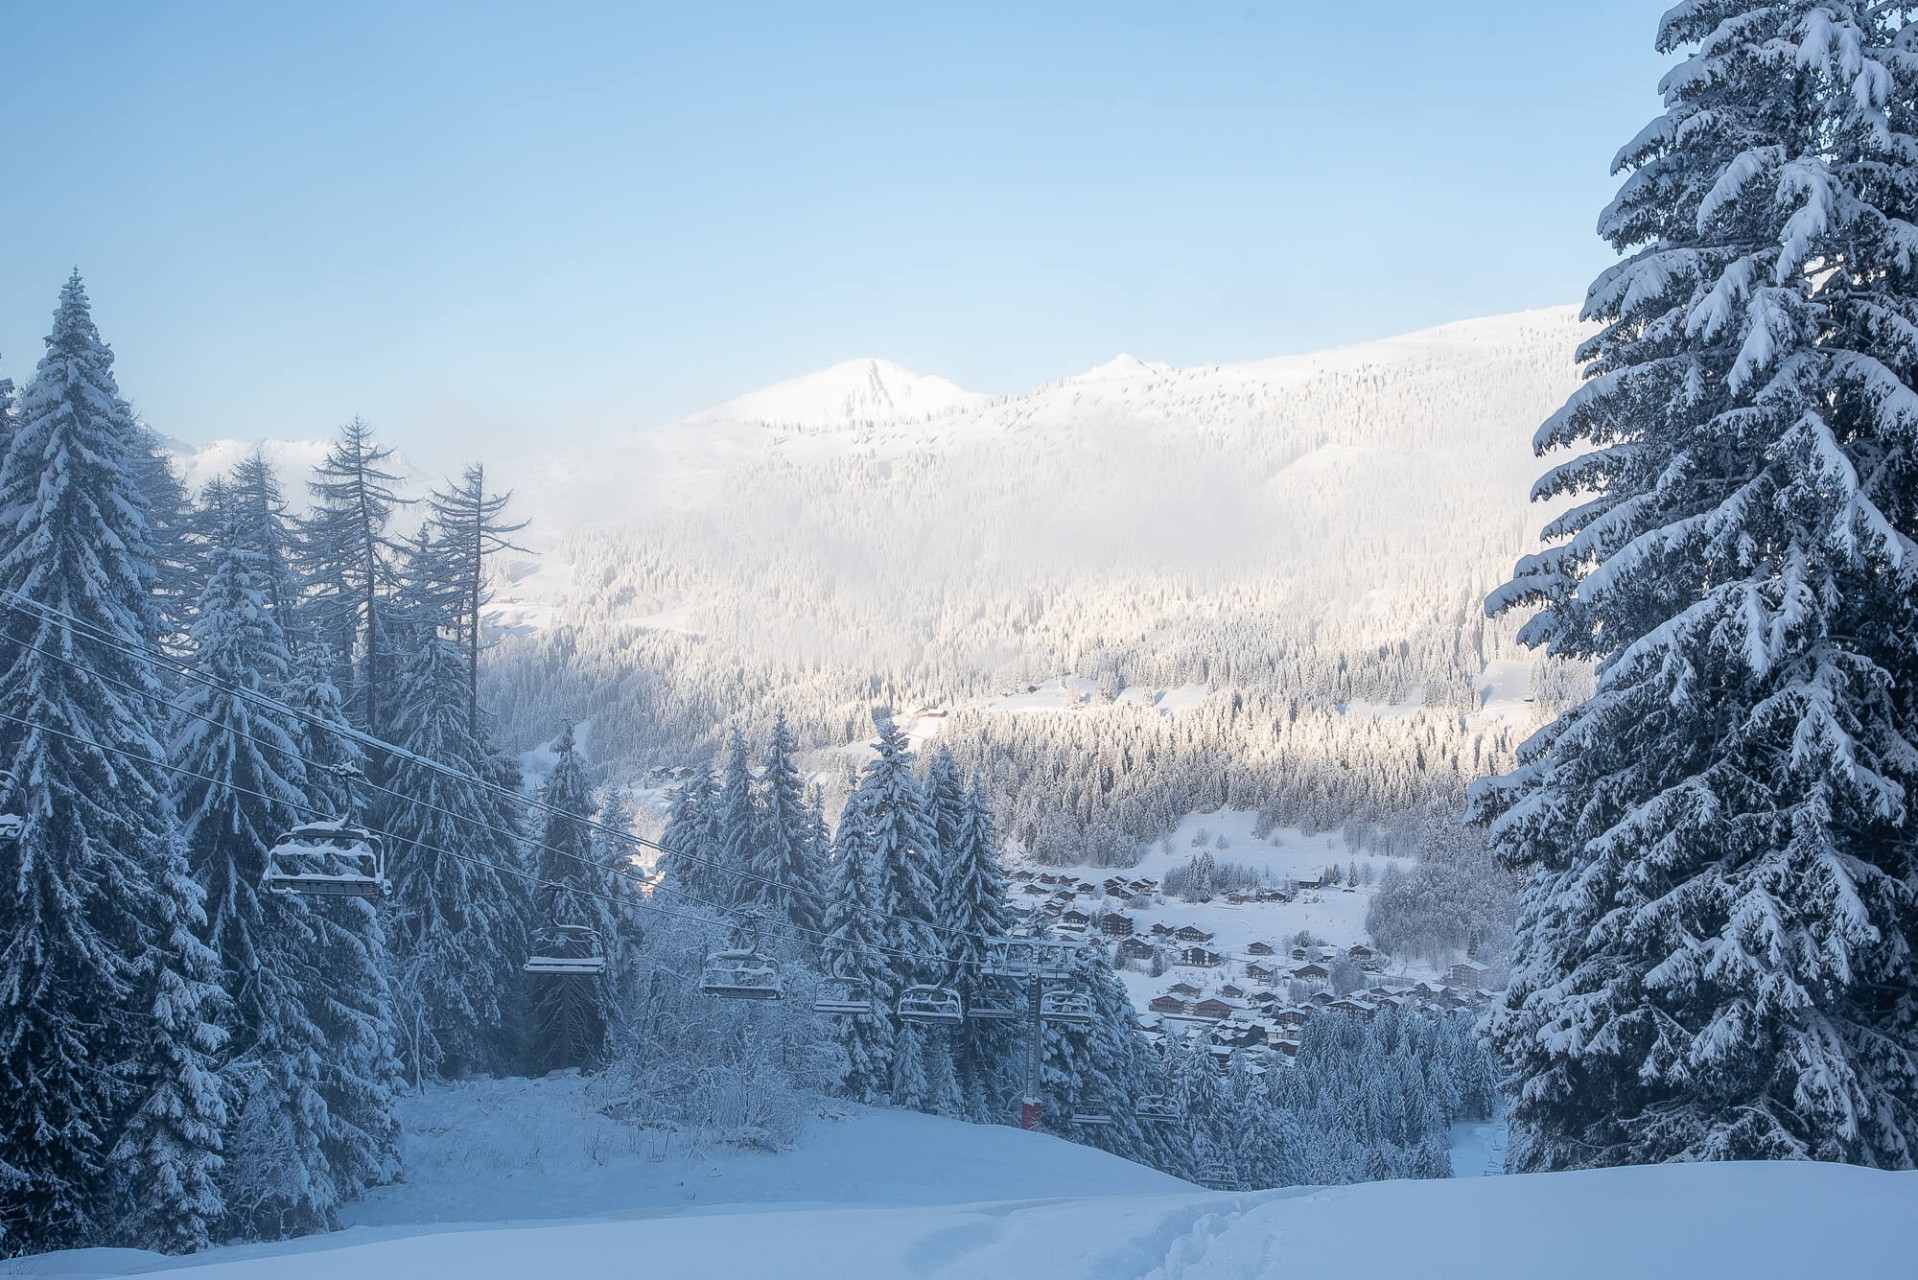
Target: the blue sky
(489, 223)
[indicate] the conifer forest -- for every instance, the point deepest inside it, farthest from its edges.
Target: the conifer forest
(540, 825)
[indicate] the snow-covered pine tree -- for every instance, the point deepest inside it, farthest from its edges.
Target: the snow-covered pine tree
(899, 841)
(256, 506)
(101, 965)
(1207, 1117)
(972, 907)
(361, 1075)
(945, 792)
(688, 857)
(1715, 958)
(854, 949)
(621, 930)
(468, 526)
(737, 819)
(570, 1011)
(347, 560)
(1110, 1067)
(242, 787)
(787, 882)
(459, 902)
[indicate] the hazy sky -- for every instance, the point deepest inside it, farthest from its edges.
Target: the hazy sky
(474, 221)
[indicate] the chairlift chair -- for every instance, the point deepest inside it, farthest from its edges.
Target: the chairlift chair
(1025, 957)
(1071, 1007)
(330, 859)
(567, 949)
(741, 974)
(1217, 1175)
(1091, 1119)
(11, 823)
(1155, 1108)
(931, 1005)
(996, 1001)
(844, 997)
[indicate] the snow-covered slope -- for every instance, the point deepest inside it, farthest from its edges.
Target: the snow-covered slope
(517, 1190)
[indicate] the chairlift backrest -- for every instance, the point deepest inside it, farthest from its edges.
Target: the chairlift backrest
(566, 949)
(335, 859)
(742, 974)
(931, 1004)
(846, 997)
(1071, 1007)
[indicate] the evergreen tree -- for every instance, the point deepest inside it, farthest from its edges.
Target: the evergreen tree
(256, 508)
(570, 1011)
(459, 931)
(361, 1075)
(738, 821)
(972, 907)
(619, 905)
(854, 949)
(109, 1001)
(899, 842)
(468, 527)
(347, 558)
(242, 789)
(688, 857)
(1715, 957)
(783, 847)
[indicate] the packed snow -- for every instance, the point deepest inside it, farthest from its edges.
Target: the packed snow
(509, 1180)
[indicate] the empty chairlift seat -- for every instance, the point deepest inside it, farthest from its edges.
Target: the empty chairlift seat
(1025, 957)
(333, 859)
(845, 997)
(742, 974)
(1216, 1175)
(1071, 1007)
(997, 1001)
(1091, 1119)
(563, 949)
(11, 823)
(1155, 1107)
(931, 1005)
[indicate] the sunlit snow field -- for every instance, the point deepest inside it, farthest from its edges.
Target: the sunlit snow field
(521, 1179)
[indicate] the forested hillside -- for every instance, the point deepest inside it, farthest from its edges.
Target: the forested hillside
(1297, 545)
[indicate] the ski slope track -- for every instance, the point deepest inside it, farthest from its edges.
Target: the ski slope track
(515, 1179)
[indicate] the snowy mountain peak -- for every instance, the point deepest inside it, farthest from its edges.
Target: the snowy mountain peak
(848, 394)
(1120, 366)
